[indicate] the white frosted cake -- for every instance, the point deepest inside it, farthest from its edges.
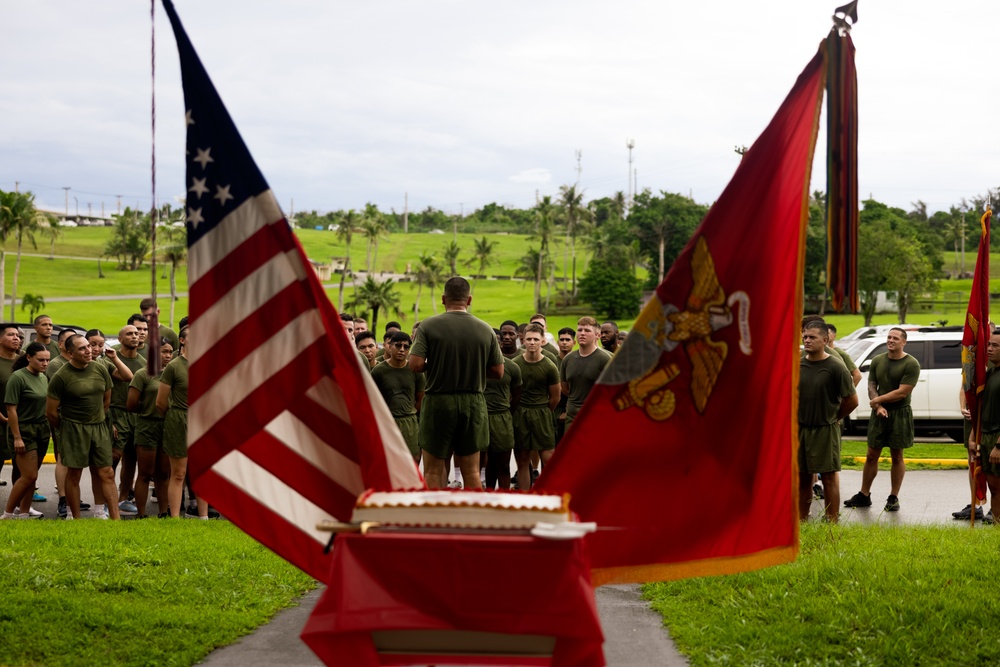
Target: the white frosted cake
(460, 509)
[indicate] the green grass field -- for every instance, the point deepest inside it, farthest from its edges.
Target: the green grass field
(857, 595)
(134, 593)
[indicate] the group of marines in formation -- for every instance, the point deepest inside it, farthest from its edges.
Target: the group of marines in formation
(102, 410)
(457, 388)
(461, 390)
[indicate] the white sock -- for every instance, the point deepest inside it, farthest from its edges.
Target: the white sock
(8, 515)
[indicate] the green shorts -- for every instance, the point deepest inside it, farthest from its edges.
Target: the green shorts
(148, 433)
(409, 427)
(989, 440)
(453, 424)
(124, 423)
(84, 445)
(175, 426)
(894, 431)
(501, 431)
(819, 449)
(35, 436)
(533, 429)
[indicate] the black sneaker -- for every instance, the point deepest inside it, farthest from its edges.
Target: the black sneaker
(818, 491)
(84, 507)
(192, 510)
(891, 504)
(988, 519)
(858, 500)
(62, 510)
(966, 513)
(212, 514)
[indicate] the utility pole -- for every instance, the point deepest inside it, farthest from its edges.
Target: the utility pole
(17, 185)
(67, 200)
(119, 204)
(629, 144)
(536, 196)
(77, 202)
(579, 166)
(90, 210)
(406, 212)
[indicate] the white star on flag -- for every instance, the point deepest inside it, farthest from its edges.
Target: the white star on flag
(199, 187)
(188, 120)
(222, 194)
(203, 156)
(194, 217)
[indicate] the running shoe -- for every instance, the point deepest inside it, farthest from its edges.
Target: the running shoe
(32, 513)
(965, 513)
(127, 506)
(84, 507)
(62, 509)
(858, 500)
(818, 491)
(988, 519)
(38, 498)
(891, 504)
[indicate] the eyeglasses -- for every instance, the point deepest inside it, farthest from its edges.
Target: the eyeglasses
(402, 346)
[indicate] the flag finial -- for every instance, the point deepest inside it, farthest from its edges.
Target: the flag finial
(845, 17)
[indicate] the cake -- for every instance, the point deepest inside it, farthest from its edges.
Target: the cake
(460, 509)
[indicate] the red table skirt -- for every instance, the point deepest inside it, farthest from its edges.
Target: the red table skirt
(519, 585)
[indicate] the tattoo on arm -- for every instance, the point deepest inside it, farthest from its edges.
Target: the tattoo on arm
(872, 390)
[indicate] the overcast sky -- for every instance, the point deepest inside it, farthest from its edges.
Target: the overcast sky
(461, 103)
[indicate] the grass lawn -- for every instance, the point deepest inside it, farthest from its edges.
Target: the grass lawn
(134, 593)
(921, 450)
(857, 595)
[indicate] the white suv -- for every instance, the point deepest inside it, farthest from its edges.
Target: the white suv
(934, 400)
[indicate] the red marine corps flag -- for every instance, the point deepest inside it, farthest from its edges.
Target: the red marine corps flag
(977, 332)
(285, 429)
(684, 453)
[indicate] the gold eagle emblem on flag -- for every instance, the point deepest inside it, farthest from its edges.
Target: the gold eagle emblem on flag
(644, 365)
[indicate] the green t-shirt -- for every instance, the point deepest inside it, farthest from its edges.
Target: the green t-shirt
(80, 392)
(822, 386)
(552, 349)
(28, 392)
(580, 373)
(6, 370)
(458, 348)
(536, 379)
(171, 335)
(140, 350)
(147, 387)
(888, 374)
(843, 356)
(119, 392)
(55, 363)
(498, 391)
(175, 375)
(399, 387)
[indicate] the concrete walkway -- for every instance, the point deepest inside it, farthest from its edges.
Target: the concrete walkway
(634, 635)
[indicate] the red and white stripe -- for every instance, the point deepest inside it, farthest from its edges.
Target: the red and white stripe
(285, 428)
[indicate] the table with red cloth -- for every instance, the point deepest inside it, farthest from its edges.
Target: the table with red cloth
(495, 583)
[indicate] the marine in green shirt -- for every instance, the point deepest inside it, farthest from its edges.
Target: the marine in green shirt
(402, 390)
(458, 352)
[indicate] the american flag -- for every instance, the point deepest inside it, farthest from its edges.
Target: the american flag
(285, 429)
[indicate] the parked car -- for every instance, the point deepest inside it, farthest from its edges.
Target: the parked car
(934, 400)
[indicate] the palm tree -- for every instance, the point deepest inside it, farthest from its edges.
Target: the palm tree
(373, 295)
(573, 214)
(545, 221)
(451, 256)
(618, 204)
(55, 232)
(374, 227)
(345, 232)
(174, 252)
(537, 266)
(17, 216)
(429, 274)
(34, 304)
(481, 255)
